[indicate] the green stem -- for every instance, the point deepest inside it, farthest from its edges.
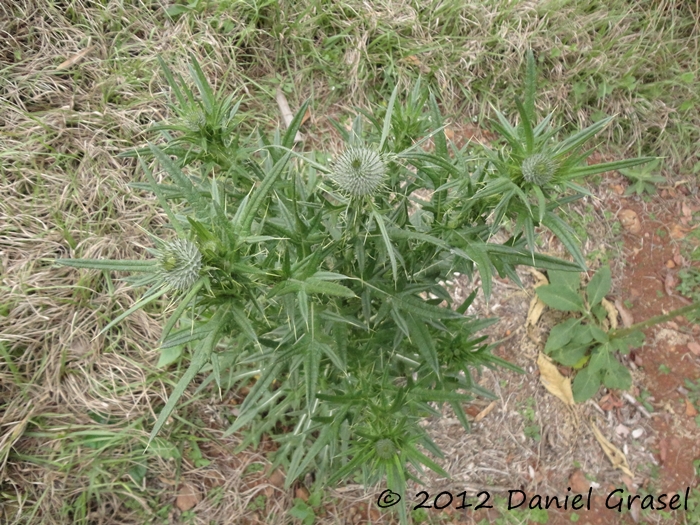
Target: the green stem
(654, 320)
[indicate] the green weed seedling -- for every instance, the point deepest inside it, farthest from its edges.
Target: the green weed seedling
(305, 511)
(694, 396)
(689, 283)
(642, 179)
(692, 517)
(584, 340)
(317, 285)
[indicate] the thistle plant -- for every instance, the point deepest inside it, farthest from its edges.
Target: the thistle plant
(318, 287)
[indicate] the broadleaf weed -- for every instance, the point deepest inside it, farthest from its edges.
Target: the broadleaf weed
(589, 341)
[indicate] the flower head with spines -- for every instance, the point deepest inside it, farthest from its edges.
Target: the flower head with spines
(359, 171)
(195, 119)
(385, 448)
(179, 263)
(538, 169)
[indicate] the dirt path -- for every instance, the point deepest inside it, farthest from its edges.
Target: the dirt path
(666, 360)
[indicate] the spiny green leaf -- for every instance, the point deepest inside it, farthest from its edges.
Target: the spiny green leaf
(478, 253)
(242, 320)
(299, 465)
(428, 158)
(387, 243)
(267, 376)
(361, 458)
(181, 307)
(258, 197)
(387, 117)
(313, 286)
(294, 125)
(594, 169)
(494, 187)
(187, 335)
(426, 347)
(202, 84)
(566, 235)
(421, 309)
(541, 202)
(200, 357)
(581, 137)
(156, 188)
(514, 256)
(172, 83)
(312, 360)
(526, 126)
(153, 294)
(110, 265)
(194, 198)
(530, 86)
(508, 131)
(416, 455)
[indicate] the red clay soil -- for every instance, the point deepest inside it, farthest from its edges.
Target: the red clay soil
(652, 262)
(650, 281)
(650, 277)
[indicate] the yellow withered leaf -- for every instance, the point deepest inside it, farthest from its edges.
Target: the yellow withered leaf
(71, 61)
(536, 308)
(615, 455)
(535, 311)
(555, 383)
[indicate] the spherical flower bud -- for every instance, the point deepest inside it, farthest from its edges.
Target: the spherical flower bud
(195, 119)
(180, 262)
(538, 169)
(359, 171)
(210, 246)
(385, 448)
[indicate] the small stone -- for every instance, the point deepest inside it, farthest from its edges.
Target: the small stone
(302, 493)
(277, 479)
(622, 430)
(693, 346)
(637, 433)
(187, 497)
(630, 221)
(670, 264)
